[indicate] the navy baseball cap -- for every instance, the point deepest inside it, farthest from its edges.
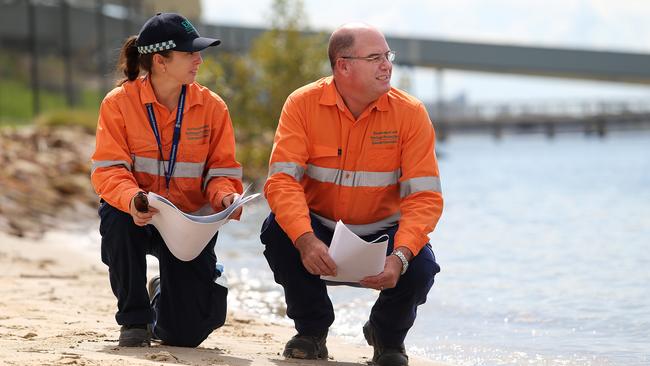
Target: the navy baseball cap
(170, 31)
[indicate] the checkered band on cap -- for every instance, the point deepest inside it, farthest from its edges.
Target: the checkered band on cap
(156, 47)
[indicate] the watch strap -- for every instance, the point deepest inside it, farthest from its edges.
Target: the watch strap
(402, 258)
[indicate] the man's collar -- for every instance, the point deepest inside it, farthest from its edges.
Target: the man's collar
(331, 96)
(382, 103)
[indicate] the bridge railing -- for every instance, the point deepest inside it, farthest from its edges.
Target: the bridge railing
(580, 108)
(547, 117)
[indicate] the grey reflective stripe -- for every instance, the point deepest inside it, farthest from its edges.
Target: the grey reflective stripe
(419, 184)
(155, 167)
(221, 172)
(294, 170)
(107, 163)
(352, 178)
(365, 229)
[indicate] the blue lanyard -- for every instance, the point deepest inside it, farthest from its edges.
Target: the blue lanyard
(176, 138)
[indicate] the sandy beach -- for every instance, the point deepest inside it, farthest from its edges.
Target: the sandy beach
(57, 309)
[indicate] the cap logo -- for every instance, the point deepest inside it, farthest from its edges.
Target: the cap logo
(189, 28)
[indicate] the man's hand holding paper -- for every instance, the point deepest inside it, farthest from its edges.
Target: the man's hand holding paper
(314, 255)
(387, 278)
(355, 258)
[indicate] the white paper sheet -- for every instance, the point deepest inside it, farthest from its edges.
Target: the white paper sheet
(355, 258)
(187, 235)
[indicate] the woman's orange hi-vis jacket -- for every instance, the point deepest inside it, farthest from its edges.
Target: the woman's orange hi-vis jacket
(126, 158)
(371, 173)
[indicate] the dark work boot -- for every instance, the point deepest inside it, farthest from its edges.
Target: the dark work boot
(137, 335)
(306, 347)
(384, 355)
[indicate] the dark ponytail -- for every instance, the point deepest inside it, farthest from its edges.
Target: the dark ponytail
(129, 62)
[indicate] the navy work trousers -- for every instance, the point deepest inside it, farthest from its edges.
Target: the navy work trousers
(309, 305)
(190, 304)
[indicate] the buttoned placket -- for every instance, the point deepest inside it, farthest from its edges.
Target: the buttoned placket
(352, 134)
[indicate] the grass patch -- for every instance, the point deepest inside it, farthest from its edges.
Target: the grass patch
(16, 104)
(69, 117)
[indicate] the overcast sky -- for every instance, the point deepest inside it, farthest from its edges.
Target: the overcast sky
(617, 25)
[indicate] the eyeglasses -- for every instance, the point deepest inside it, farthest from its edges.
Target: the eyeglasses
(375, 58)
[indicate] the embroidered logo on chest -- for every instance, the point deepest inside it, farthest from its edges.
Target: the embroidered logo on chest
(384, 137)
(197, 133)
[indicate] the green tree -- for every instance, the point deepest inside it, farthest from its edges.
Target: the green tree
(255, 85)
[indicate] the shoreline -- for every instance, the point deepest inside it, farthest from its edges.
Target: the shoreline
(58, 309)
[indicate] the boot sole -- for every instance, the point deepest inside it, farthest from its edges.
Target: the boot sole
(135, 338)
(302, 355)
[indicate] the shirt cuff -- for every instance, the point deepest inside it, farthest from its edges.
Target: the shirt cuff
(297, 228)
(409, 241)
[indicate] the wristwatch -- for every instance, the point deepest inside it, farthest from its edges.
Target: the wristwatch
(402, 258)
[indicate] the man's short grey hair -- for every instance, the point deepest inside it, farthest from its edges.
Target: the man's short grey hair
(340, 43)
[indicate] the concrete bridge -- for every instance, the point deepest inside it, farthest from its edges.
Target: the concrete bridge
(624, 67)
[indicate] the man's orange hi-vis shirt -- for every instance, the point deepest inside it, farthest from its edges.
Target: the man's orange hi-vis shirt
(371, 173)
(127, 160)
